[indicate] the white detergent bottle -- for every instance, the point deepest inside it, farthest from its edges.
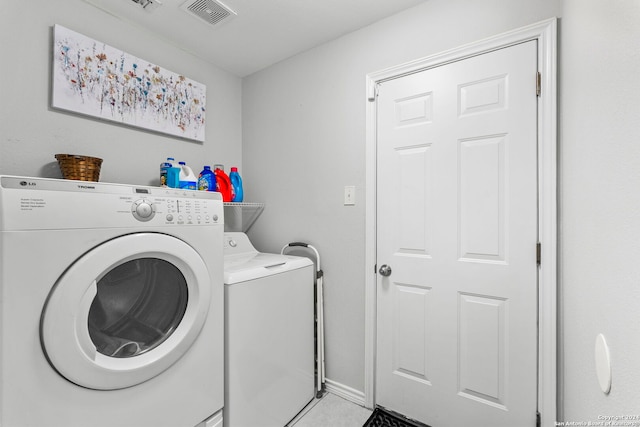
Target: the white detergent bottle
(188, 179)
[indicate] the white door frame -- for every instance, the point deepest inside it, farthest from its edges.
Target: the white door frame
(545, 32)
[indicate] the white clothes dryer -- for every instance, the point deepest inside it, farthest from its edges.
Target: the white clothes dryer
(269, 342)
(111, 305)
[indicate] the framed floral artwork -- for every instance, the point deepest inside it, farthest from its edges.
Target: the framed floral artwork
(93, 78)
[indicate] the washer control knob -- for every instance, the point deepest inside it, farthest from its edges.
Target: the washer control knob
(143, 210)
(232, 243)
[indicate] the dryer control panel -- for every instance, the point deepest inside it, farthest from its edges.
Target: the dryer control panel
(42, 203)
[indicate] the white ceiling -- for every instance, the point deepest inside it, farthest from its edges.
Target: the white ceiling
(263, 32)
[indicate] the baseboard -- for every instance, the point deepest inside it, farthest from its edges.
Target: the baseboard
(345, 392)
(214, 421)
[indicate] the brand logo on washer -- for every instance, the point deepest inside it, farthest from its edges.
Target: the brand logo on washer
(27, 184)
(87, 187)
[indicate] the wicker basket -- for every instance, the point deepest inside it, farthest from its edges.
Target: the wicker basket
(82, 168)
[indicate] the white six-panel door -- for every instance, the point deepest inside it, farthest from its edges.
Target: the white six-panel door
(457, 225)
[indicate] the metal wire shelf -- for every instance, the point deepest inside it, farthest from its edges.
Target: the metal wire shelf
(241, 216)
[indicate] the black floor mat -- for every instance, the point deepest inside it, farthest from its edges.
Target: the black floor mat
(384, 418)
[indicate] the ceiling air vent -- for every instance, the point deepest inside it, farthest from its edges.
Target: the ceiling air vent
(148, 5)
(212, 12)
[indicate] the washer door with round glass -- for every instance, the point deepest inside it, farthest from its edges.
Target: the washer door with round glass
(126, 311)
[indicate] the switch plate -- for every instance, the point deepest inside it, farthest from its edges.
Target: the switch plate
(349, 195)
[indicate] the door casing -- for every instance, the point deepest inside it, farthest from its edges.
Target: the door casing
(545, 32)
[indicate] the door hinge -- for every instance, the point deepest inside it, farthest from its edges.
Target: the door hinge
(538, 83)
(373, 92)
(538, 421)
(538, 253)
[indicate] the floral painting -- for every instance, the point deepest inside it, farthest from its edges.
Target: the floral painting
(93, 78)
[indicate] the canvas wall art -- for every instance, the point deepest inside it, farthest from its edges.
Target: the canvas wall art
(93, 78)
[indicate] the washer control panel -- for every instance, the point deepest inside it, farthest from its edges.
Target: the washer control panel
(176, 210)
(43, 203)
(236, 243)
(190, 211)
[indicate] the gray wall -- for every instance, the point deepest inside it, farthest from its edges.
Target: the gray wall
(31, 132)
(304, 140)
(600, 203)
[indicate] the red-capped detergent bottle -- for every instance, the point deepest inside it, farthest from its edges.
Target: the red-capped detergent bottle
(223, 183)
(237, 194)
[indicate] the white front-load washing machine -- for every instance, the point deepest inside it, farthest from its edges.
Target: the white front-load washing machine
(269, 341)
(111, 305)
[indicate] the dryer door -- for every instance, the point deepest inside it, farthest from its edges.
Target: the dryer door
(126, 311)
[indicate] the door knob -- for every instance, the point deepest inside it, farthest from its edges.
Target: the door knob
(385, 270)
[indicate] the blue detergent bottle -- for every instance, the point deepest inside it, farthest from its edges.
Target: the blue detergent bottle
(173, 176)
(164, 171)
(207, 180)
(236, 185)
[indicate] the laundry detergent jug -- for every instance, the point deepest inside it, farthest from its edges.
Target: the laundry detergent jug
(236, 185)
(164, 170)
(207, 180)
(223, 183)
(188, 180)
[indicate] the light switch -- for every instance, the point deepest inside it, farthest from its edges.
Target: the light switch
(349, 195)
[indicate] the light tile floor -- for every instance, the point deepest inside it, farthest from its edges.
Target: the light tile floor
(332, 411)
